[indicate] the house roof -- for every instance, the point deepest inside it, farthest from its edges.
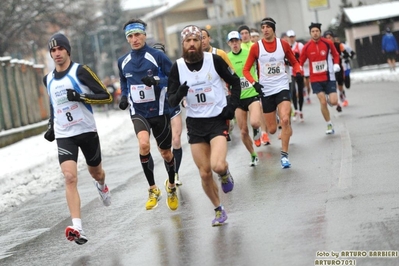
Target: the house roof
(372, 12)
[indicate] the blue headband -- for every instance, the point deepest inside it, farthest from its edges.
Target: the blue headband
(134, 28)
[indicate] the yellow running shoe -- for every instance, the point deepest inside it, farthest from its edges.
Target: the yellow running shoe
(172, 201)
(153, 198)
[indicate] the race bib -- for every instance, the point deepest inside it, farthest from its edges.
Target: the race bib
(245, 83)
(142, 93)
(200, 96)
(69, 114)
(274, 68)
(319, 66)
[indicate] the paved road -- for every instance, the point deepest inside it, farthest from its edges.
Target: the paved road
(341, 194)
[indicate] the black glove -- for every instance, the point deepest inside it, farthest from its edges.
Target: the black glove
(297, 56)
(74, 96)
(182, 90)
(123, 103)
(149, 81)
(347, 61)
(49, 135)
(258, 87)
(228, 111)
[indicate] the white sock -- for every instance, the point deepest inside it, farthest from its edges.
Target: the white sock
(329, 122)
(77, 222)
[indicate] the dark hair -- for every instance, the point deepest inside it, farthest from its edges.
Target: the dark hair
(207, 32)
(135, 20)
(328, 32)
(270, 22)
(243, 27)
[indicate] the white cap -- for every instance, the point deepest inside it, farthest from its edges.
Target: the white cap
(290, 33)
(233, 35)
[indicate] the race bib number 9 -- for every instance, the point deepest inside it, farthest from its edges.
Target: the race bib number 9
(142, 93)
(319, 66)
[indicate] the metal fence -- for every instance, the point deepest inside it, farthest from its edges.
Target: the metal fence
(23, 96)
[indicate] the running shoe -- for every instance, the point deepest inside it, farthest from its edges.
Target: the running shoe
(285, 163)
(256, 134)
(330, 129)
(227, 182)
(257, 142)
(172, 200)
(295, 115)
(339, 108)
(177, 180)
(220, 217)
(74, 234)
(345, 103)
(301, 116)
(154, 196)
(105, 194)
(265, 139)
(254, 161)
(308, 100)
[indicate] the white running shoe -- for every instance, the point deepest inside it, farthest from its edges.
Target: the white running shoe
(330, 129)
(105, 194)
(74, 234)
(254, 161)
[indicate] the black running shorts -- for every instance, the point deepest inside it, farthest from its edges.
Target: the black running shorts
(89, 144)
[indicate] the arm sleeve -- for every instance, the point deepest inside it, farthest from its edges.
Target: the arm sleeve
(173, 86)
(100, 94)
(229, 76)
(252, 56)
(166, 66)
(291, 57)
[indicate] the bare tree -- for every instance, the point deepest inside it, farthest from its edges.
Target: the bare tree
(27, 24)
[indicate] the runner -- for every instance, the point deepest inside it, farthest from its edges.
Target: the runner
(324, 62)
(273, 87)
(249, 100)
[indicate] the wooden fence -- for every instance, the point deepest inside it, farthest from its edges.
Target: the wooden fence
(23, 97)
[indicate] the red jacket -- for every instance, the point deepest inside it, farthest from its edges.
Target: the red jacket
(322, 50)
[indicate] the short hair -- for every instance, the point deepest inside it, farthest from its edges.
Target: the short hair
(207, 32)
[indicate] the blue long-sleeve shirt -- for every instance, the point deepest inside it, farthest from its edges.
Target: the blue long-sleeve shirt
(140, 63)
(389, 43)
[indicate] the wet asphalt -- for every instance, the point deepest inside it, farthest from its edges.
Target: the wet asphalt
(340, 195)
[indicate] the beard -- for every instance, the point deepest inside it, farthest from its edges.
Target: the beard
(193, 57)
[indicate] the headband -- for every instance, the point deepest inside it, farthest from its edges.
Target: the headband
(189, 31)
(134, 28)
(270, 23)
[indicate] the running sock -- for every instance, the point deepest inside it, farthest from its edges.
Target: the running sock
(178, 154)
(170, 168)
(101, 187)
(148, 167)
(77, 223)
(284, 154)
(254, 154)
(219, 208)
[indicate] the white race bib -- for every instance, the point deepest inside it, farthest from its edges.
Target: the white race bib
(142, 93)
(200, 96)
(319, 66)
(273, 68)
(69, 114)
(245, 83)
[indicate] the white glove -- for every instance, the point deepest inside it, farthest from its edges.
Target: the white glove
(337, 68)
